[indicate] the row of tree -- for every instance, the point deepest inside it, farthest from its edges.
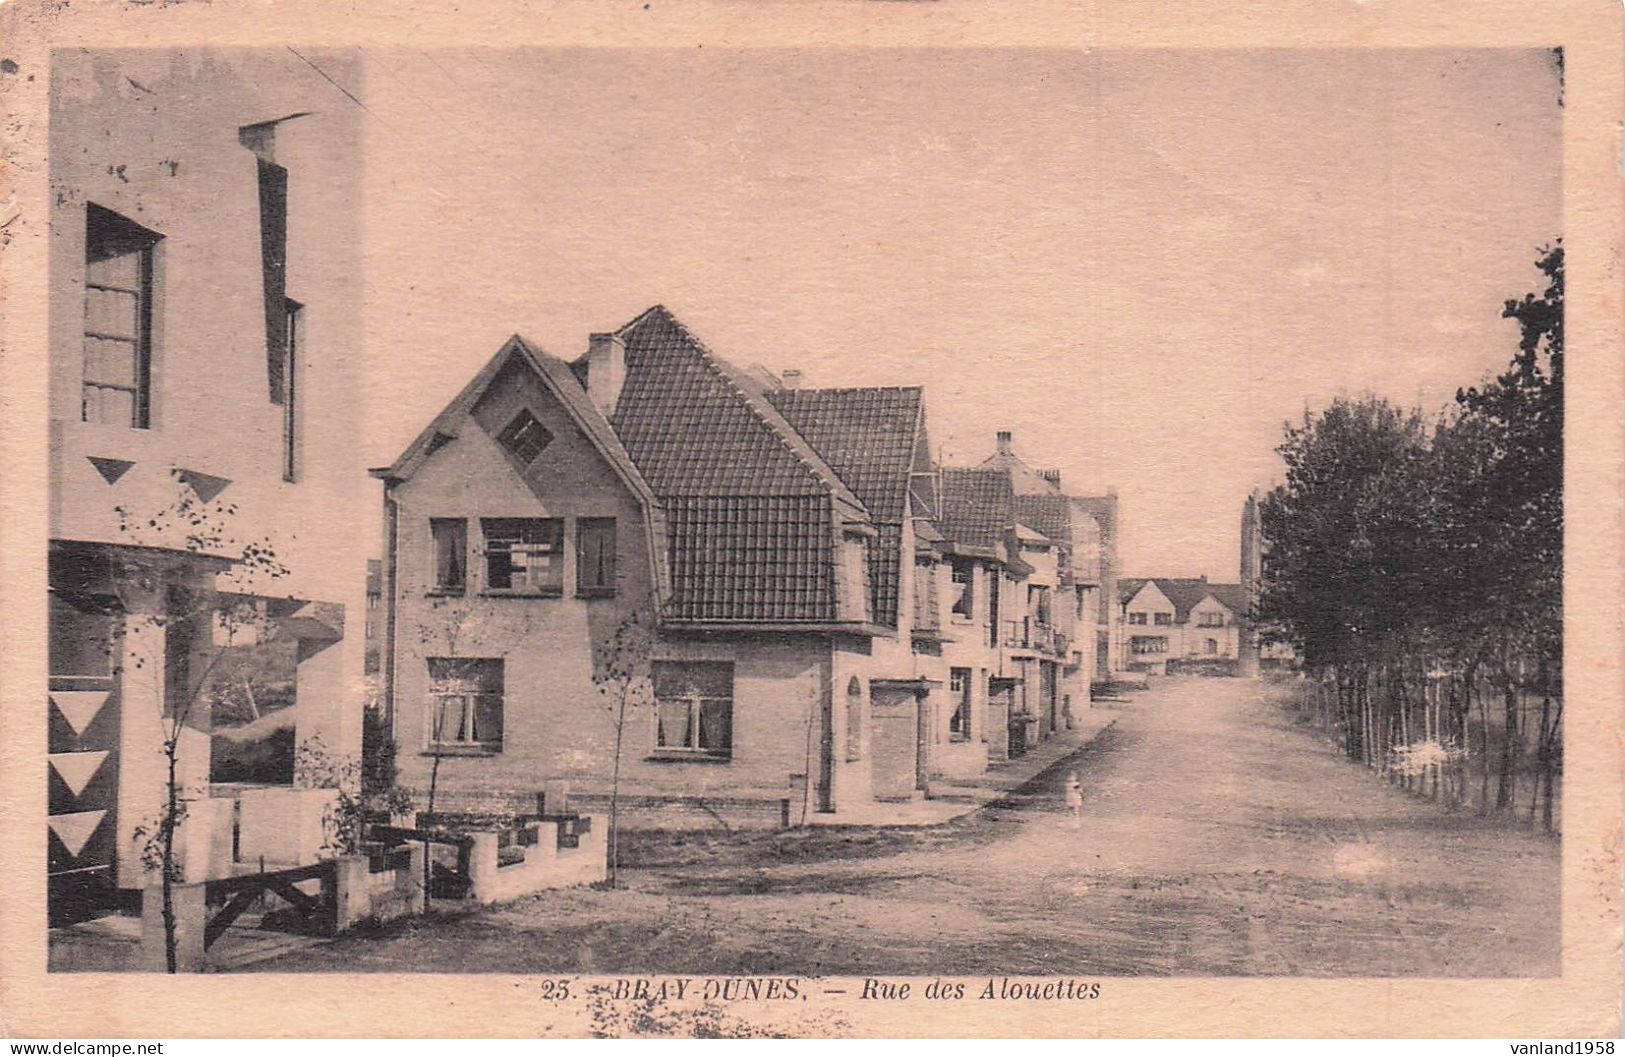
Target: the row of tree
(1416, 564)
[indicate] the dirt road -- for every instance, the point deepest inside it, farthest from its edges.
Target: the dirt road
(1218, 838)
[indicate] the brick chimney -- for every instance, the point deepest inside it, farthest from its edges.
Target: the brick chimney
(791, 379)
(606, 370)
(1003, 440)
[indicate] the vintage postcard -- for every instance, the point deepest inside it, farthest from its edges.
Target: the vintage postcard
(843, 519)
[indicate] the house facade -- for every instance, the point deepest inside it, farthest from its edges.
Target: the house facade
(1171, 622)
(204, 325)
(1087, 526)
(746, 550)
(1017, 666)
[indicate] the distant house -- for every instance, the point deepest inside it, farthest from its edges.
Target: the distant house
(767, 535)
(1170, 622)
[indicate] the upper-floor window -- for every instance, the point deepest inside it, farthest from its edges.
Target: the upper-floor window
(964, 589)
(117, 381)
(1136, 618)
(1038, 603)
(524, 437)
(465, 703)
(524, 555)
(595, 556)
(450, 554)
(1210, 620)
(694, 707)
(1163, 619)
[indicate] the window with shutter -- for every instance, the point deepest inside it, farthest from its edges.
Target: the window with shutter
(595, 557)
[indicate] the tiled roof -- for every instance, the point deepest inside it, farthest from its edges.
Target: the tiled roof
(1049, 514)
(751, 558)
(976, 506)
(1185, 593)
(752, 506)
(1232, 597)
(696, 426)
(885, 573)
(866, 435)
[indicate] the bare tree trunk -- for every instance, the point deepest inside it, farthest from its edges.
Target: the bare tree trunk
(1553, 754)
(1509, 746)
(1484, 731)
(167, 862)
(615, 797)
(1540, 756)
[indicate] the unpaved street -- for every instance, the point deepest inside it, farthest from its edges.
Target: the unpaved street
(1218, 839)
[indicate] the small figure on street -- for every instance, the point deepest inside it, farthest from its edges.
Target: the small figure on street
(1074, 798)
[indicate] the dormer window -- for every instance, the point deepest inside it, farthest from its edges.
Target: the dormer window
(525, 437)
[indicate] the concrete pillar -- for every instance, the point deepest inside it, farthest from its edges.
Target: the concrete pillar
(482, 867)
(925, 731)
(191, 918)
(410, 883)
(142, 769)
(998, 725)
(352, 894)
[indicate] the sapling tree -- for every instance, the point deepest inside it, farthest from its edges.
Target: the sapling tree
(621, 674)
(141, 576)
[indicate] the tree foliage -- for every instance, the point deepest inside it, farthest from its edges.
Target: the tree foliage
(1399, 544)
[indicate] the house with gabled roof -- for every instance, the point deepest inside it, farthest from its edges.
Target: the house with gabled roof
(1011, 642)
(1173, 622)
(1088, 525)
(766, 536)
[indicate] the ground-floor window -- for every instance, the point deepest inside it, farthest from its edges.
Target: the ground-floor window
(1148, 644)
(465, 703)
(959, 685)
(694, 706)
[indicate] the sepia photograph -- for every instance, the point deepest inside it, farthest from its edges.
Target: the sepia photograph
(713, 528)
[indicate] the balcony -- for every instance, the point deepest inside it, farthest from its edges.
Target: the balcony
(1029, 634)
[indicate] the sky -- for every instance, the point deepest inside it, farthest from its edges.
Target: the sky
(1142, 263)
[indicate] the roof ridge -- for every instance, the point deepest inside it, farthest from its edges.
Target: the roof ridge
(851, 389)
(762, 408)
(633, 324)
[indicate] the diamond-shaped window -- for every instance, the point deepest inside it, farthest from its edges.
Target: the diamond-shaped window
(525, 437)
